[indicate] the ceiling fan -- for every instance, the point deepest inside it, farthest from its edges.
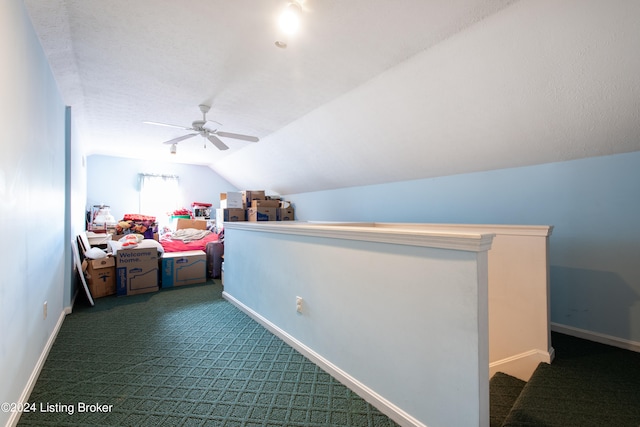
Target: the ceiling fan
(207, 129)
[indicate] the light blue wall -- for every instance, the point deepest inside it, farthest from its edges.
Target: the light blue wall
(594, 205)
(32, 203)
(114, 181)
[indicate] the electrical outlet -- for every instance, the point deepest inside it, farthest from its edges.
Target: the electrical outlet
(44, 310)
(299, 304)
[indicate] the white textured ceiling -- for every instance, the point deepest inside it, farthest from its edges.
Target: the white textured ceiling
(369, 91)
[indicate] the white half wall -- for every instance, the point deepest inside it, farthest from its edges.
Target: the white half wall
(403, 324)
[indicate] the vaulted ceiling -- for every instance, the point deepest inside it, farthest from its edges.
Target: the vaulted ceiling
(368, 91)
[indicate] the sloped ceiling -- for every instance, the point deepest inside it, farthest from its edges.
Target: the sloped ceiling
(369, 91)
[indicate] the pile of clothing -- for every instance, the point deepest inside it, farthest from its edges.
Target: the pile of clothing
(137, 224)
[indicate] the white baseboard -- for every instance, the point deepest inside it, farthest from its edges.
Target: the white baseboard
(73, 302)
(24, 397)
(521, 365)
(596, 337)
(385, 406)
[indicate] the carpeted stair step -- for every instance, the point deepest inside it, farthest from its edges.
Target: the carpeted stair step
(503, 392)
(570, 394)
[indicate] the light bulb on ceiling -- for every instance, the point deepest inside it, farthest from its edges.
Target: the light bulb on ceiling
(289, 20)
(173, 149)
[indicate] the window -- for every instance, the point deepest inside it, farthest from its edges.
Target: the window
(159, 196)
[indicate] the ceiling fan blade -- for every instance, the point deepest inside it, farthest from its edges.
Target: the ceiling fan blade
(212, 124)
(238, 136)
(216, 141)
(180, 138)
(167, 125)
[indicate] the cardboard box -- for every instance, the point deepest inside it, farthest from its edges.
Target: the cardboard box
(248, 196)
(261, 214)
(136, 271)
(101, 276)
(231, 200)
(183, 268)
(198, 224)
(257, 203)
(230, 215)
(284, 214)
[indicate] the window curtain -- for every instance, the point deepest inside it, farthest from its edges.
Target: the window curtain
(159, 196)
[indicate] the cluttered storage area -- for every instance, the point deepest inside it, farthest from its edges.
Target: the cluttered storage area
(136, 254)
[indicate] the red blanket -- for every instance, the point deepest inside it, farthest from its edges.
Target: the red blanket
(180, 246)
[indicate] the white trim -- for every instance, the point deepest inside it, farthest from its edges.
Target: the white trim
(451, 239)
(24, 397)
(506, 229)
(521, 365)
(596, 337)
(385, 406)
(69, 309)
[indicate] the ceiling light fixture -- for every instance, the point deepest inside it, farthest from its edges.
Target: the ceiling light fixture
(289, 20)
(173, 149)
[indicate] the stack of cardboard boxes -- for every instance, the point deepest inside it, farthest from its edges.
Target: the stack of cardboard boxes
(143, 269)
(252, 206)
(129, 272)
(140, 271)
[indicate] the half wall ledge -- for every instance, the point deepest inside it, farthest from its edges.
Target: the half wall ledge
(377, 232)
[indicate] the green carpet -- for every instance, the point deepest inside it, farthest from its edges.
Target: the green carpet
(588, 384)
(504, 390)
(184, 357)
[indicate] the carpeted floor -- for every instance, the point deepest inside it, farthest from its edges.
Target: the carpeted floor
(184, 357)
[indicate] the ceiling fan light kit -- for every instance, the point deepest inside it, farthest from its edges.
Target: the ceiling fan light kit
(199, 128)
(289, 22)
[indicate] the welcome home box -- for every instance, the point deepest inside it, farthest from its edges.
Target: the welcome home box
(183, 268)
(137, 271)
